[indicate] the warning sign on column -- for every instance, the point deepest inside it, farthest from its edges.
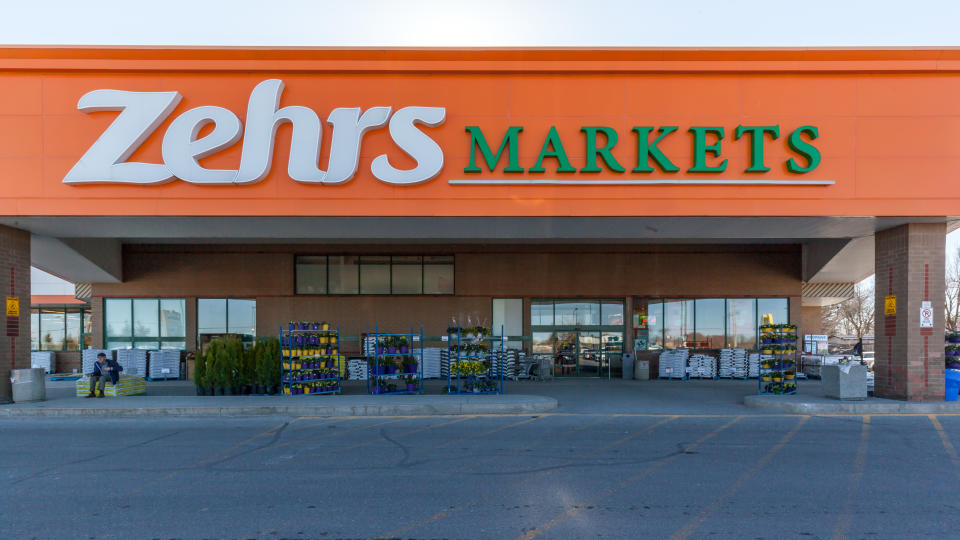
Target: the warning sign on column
(926, 315)
(890, 305)
(13, 306)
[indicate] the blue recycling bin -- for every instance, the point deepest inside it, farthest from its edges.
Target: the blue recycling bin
(952, 378)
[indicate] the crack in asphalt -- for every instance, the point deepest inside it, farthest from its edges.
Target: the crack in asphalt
(44, 472)
(273, 440)
(406, 451)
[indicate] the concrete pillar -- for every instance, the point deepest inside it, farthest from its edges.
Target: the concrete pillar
(910, 266)
(96, 315)
(811, 320)
(14, 281)
(190, 325)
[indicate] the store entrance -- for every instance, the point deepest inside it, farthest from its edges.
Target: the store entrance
(584, 338)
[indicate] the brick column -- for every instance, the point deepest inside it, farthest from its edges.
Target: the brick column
(14, 281)
(910, 265)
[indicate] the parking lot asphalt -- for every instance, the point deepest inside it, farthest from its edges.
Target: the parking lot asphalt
(556, 475)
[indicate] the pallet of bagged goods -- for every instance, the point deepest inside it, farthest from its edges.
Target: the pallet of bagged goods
(673, 364)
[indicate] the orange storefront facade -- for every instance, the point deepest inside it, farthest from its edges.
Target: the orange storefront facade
(519, 178)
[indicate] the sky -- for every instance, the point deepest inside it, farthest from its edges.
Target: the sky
(487, 23)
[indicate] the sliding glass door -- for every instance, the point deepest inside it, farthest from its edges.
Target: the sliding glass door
(584, 336)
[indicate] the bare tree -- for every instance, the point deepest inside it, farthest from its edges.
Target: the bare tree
(952, 305)
(853, 316)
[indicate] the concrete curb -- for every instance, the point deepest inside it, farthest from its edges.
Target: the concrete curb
(814, 406)
(463, 405)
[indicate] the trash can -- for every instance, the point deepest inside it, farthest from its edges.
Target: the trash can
(952, 378)
(642, 370)
(627, 359)
(28, 385)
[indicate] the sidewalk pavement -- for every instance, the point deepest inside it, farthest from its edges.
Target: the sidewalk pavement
(560, 396)
(178, 398)
(817, 404)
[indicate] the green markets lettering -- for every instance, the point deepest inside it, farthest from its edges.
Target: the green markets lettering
(706, 140)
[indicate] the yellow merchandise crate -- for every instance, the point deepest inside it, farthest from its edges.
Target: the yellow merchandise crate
(128, 385)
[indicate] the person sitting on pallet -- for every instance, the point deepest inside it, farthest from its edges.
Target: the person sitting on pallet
(102, 369)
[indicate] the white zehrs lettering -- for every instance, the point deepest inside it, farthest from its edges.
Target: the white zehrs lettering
(105, 162)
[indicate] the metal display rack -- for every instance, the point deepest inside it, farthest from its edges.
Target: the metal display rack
(778, 359)
(309, 353)
(388, 361)
(476, 362)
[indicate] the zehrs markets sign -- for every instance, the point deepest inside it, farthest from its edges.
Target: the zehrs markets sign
(142, 113)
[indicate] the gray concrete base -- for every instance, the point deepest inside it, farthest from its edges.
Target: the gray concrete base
(808, 404)
(361, 405)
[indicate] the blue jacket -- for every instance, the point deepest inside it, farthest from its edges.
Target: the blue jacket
(113, 373)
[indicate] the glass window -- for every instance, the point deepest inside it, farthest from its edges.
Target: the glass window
(543, 342)
(87, 329)
(220, 315)
(709, 323)
(612, 313)
(146, 317)
(34, 330)
(242, 317)
(777, 310)
(173, 317)
(655, 325)
(344, 275)
(541, 313)
(588, 314)
(742, 323)
(73, 330)
(118, 317)
(179, 345)
(211, 315)
(678, 324)
(312, 275)
(573, 313)
(143, 323)
(438, 278)
(375, 275)
(565, 313)
(613, 341)
(407, 275)
(52, 328)
(647, 324)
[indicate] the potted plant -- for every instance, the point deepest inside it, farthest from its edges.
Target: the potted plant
(198, 378)
(271, 357)
(403, 345)
(391, 345)
(409, 364)
(391, 387)
(411, 384)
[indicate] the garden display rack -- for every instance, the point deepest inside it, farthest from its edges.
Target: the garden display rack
(394, 362)
(309, 352)
(952, 350)
(778, 359)
(476, 361)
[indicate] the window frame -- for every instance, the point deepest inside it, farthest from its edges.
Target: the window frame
(389, 264)
(726, 315)
(246, 338)
(84, 315)
(132, 338)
